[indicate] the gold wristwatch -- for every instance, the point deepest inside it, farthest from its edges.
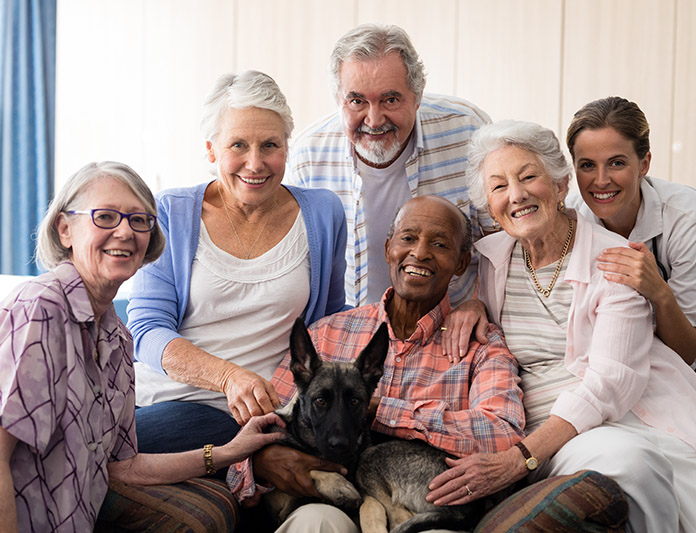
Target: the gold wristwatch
(530, 461)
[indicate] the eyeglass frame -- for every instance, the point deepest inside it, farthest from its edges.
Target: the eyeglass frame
(127, 216)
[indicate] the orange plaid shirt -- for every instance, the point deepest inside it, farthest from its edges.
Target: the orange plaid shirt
(472, 406)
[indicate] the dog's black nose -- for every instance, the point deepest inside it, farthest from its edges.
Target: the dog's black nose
(338, 444)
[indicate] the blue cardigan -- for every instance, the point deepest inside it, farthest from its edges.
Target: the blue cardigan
(160, 290)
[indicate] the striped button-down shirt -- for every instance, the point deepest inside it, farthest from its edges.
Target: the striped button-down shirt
(322, 156)
(472, 406)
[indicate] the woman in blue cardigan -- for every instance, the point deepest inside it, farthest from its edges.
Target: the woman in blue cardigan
(245, 256)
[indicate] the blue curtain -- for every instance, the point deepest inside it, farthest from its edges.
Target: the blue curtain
(27, 117)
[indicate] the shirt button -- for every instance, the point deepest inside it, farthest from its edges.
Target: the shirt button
(398, 359)
(96, 389)
(92, 446)
(392, 423)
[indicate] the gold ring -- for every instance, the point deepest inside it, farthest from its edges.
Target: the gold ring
(468, 490)
(443, 328)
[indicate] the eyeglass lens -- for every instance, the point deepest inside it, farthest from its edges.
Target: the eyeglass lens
(110, 218)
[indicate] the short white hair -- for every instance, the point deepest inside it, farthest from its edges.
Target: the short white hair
(526, 135)
(238, 91)
(373, 41)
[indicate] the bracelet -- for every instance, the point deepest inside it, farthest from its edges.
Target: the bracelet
(208, 459)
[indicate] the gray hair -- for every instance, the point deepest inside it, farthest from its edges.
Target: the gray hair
(238, 91)
(373, 41)
(464, 224)
(50, 251)
(526, 135)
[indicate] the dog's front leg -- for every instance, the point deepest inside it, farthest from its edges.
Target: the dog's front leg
(336, 489)
(373, 517)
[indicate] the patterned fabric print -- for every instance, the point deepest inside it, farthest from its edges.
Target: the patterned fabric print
(535, 330)
(586, 501)
(70, 414)
(199, 505)
(472, 406)
(323, 157)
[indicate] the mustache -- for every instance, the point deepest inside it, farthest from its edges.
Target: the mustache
(384, 128)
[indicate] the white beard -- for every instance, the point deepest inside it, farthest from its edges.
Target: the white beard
(377, 152)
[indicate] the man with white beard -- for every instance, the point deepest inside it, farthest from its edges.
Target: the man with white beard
(386, 144)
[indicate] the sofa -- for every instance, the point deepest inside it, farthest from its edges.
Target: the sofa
(585, 501)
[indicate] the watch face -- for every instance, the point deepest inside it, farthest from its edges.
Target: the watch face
(532, 463)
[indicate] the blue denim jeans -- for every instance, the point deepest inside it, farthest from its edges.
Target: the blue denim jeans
(170, 427)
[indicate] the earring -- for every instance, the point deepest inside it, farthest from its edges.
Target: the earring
(561, 206)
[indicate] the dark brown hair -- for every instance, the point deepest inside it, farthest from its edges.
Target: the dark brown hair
(612, 112)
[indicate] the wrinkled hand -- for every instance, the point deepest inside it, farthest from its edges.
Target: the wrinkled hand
(483, 473)
(248, 394)
(470, 317)
(252, 438)
(635, 267)
(288, 469)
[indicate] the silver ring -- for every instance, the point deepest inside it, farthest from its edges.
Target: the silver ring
(468, 490)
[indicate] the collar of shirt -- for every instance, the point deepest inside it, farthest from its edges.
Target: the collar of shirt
(427, 326)
(649, 219)
(81, 308)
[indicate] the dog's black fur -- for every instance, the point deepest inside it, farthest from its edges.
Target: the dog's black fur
(328, 416)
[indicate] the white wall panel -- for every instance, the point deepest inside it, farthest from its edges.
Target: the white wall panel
(684, 136)
(509, 58)
(623, 48)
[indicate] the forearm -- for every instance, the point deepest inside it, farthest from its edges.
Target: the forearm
(186, 363)
(544, 442)
(673, 328)
(8, 510)
(167, 468)
(456, 432)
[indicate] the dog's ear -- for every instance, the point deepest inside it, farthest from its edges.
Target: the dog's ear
(304, 360)
(370, 362)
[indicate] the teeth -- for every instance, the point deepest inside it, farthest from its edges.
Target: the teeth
(418, 271)
(120, 253)
(604, 195)
(253, 181)
(525, 211)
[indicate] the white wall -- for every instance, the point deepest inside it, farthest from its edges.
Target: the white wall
(132, 74)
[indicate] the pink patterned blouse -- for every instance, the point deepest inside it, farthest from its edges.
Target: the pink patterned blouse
(71, 406)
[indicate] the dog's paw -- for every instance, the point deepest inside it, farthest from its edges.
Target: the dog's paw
(336, 489)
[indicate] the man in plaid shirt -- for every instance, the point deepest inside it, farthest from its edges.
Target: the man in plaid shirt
(474, 405)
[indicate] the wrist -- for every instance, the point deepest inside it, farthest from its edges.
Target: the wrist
(529, 461)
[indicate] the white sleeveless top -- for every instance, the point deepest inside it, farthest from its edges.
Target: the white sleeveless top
(241, 310)
(535, 331)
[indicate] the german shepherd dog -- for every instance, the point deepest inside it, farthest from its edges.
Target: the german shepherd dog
(393, 478)
(328, 416)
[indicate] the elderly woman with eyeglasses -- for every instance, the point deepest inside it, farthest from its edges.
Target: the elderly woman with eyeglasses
(601, 392)
(67, 399)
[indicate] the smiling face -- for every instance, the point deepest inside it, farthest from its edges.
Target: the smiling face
(425, 250)
(250, 153)
(609, 173)
(378, 107)
(521, 195)
(105, 258)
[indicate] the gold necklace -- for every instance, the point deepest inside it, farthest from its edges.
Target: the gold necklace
(547, 291)
(241, 245)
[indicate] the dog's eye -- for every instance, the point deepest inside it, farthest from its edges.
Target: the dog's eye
(354, 401)
(320, 401)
